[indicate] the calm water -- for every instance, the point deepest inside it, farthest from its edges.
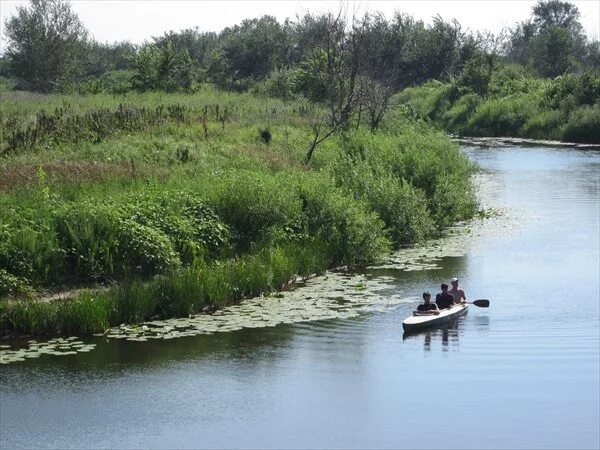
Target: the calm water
(523, 373)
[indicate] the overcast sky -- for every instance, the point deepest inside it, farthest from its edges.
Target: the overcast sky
(138, 20)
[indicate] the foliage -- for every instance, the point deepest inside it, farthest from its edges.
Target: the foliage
(113, 82)
(517, 104)
(13, 286)
(583, 125)
(477, 73)
(163, 69)
(553, 41)
(46, 44)
(351, 233)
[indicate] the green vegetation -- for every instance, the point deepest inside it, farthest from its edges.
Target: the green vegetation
(137, 175)
(514, 104)
(181, 202)
(514, 84)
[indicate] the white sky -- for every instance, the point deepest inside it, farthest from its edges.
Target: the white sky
(139, 20)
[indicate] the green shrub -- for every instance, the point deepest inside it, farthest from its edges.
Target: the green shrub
(145, 250)
(353, 235)
(279, 84)
(431, 163)
(583, 125)
(254, 205)
(361, 170)
(546, 124)
(31, 250)
(501, 117)
(13, 286)
(458, 115)
(569, 91)
(89, 235)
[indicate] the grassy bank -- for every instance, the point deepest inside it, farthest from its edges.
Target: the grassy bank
(182, 202)
(513, 104)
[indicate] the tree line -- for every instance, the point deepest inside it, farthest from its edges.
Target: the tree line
(49, 48)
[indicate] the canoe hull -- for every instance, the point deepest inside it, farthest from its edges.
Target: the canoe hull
(417, 323)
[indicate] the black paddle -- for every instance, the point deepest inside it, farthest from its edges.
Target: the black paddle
(482, 303)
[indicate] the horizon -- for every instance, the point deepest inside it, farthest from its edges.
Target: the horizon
(111, 20)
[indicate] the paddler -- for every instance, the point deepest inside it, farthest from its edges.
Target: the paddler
(458, 294)
(427, 307)
(444, 300)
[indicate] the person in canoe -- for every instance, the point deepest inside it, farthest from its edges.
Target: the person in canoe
(427, 308)
(457, 293)
(444, 299)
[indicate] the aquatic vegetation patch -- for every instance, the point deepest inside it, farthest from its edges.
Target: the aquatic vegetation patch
(34, 349)
(333, 296)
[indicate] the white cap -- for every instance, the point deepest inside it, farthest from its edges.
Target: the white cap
(453, 280)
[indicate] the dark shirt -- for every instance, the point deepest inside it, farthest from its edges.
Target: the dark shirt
(444, 300)
(424, 307)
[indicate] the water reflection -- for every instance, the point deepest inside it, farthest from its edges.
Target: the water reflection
(447, 334)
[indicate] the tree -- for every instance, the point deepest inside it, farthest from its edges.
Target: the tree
(105, 57)
(554, 52)
(46, 44)
(251, 51)
(201, 46)
(557, 13)
(340, 51)
(553, 41)
(163, 69)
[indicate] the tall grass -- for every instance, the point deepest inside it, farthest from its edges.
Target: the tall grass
(185, 292)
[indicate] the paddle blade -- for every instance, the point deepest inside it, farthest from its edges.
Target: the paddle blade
(482, 303)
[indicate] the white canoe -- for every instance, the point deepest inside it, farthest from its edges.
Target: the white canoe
(416, 323)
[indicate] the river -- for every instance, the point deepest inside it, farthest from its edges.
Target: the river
(522, 374)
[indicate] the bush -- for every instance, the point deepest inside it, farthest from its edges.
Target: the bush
(145, 250)
(353, 234)
(501, 117)
(458, 115)
(569, 91)
(117, 82)
(546, 124)
(362, 171)
(108, 240)
(255, 206)
(89, 236)
(31, 250)
(431, 163)
(13, 286)
(583, 125)
(279, 84)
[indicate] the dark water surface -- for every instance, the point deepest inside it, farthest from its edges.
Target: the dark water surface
(523, 373)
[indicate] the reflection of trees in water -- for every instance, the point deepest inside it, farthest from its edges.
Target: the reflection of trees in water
(245, 347)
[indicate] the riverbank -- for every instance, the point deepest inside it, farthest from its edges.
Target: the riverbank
(498, 142)
(180, 206)
(512, 103)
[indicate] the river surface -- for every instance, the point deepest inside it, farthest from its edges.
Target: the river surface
(522, 374)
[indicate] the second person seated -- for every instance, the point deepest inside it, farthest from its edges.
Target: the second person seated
(444, 300)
